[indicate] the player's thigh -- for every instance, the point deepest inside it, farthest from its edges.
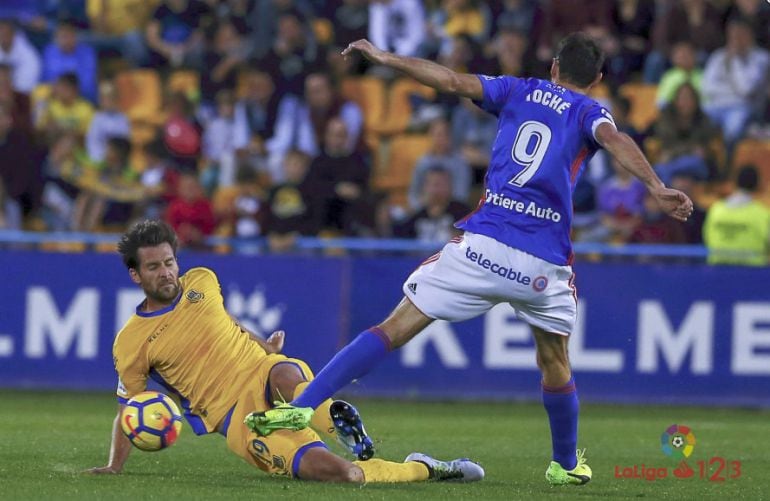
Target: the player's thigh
(447, 286)
(279, 453)
(550, 303)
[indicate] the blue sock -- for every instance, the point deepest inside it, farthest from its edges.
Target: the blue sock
(563, 407)
(354, 360)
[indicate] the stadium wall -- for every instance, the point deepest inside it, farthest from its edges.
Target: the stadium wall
(678, 333)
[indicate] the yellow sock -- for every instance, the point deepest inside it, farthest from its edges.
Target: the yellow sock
(322, 419)
(379, 470)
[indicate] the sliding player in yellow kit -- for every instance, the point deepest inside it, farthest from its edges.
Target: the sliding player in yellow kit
(182, 337)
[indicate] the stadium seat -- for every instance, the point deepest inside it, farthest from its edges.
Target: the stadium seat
(643, 109)
(398, 107)
(396, 163)
(369, 94)
(186, 81)
(139, 94)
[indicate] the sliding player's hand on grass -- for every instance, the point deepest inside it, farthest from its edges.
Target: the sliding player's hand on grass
(102, 470)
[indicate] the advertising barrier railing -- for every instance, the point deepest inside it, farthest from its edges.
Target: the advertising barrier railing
(678, 333)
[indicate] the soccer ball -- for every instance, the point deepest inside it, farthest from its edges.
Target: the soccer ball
(151, 421)
(677, 441)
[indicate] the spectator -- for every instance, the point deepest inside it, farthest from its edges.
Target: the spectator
(341, 177)
(397, 25)
(63, 167)
(734, 83)
(190, 213)
(621, 109)
(473, 133)
(434, 223)
(293, 55)
(219, 144)
(10, 215)
(633, 21)
(687, 137)
(182, 133)
(685, 70)
(240, 208)
(238, 12)
(264, 18)
(40, 17)
(656, 227)
(67, 55)
(757, 13)
(562, 17)
(621, 205)
(265, 126)
(512, 54)
(108, 122)
(737, 229)
(523, 16)
(65, 110)
(109, 190)
(454, 18)
(693, 227)
(175, 33)
(225, 54)
(118, 26)
(293, 206)
(159, 179)
(350, 19)
(16, 102)
(323, 102)
(442, 155)
(697, 21)
(19, 169)
(20, 55)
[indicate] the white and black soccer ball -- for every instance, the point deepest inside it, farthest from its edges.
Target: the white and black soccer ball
(677, 441)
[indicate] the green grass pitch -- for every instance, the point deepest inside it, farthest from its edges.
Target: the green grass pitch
(48, 438)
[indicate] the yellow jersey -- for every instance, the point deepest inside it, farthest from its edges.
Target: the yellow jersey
(193, 348)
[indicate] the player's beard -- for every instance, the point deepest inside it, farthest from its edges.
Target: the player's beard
(164, 293)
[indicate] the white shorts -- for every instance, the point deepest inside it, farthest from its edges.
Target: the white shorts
(473, 273)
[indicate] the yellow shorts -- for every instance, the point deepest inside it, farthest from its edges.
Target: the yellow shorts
(280, 452)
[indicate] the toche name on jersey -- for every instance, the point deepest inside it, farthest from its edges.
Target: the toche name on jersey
(549, 100)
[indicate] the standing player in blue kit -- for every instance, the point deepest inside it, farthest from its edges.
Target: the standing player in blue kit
(516, 247)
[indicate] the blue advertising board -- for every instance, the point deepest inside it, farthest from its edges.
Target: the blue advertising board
(674, 333)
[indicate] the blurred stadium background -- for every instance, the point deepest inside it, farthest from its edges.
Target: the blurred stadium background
(313, 185)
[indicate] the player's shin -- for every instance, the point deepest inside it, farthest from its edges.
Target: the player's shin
(321, 421)
(561, 404)
(352, 362)
(378, 470)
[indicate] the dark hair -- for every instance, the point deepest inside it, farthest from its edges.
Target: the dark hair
(121, 145)
(147, 233)
(580, 59)
(70, 79)
(748, 178)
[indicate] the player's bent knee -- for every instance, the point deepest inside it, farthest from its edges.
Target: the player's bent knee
(284, 378)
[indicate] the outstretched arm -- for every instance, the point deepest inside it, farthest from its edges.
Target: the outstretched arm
(426, 72)
(120, 448)
(673, 202)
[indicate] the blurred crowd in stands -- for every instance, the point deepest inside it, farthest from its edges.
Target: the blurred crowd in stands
(240, 117)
